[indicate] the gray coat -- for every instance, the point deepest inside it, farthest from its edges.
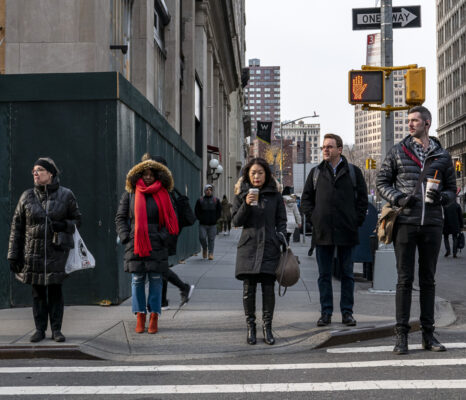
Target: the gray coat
(259, 245)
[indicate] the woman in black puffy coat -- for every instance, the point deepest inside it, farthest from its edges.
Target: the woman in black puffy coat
(145, 220)
(34, 256)
(264, 230)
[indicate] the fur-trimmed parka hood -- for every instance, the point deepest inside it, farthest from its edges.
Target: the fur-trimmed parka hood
(163, 174)
(241, 186)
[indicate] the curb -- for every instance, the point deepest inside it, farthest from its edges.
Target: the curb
(337, 338)
(55, 352)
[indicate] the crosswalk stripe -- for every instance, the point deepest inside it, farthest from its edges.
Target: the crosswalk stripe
(245, 388)
(377, 349)
(238, 367)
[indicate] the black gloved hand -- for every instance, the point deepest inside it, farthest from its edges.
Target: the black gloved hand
(58, 226)
(14, 266)
(407, 201)
(435, 196)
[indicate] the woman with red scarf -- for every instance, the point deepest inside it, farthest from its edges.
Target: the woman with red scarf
(144, 221)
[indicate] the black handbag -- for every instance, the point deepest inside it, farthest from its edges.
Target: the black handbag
(185, 213)
(63, 240)
(60, 240)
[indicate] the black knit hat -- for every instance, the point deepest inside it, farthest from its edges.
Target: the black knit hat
(48, 164)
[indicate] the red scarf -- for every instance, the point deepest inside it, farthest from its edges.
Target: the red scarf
(167, 216)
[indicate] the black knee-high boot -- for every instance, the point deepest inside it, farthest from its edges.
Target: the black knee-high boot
(268, 305)
(249, 304)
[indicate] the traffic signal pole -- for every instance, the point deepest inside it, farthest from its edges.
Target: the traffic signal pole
(386, 33)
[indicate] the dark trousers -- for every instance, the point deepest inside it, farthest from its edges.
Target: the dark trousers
(226, 225)
(325, 255)
(268, 297)
(175, 280)
(427, 240)
(47, 301)
(447, 243)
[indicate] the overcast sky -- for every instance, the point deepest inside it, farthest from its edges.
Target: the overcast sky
(314, 44)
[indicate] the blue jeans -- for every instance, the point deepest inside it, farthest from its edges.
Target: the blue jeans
(324, 255)
(207, 235)
(138, 286)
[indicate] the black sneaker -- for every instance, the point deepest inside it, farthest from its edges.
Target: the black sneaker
(37, 336)
(58, 336)
(186, 294)
(348, 320)
(324, 320)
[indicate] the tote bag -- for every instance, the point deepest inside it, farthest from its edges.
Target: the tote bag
(79, 257)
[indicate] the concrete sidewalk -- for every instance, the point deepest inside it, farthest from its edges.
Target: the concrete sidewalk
(212, 324)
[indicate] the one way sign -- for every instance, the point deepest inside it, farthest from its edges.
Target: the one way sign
(403, 17)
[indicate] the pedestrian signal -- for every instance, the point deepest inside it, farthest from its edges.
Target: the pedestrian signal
(415, 81)
(366, 87)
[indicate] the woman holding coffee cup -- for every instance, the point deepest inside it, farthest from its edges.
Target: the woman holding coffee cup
(259, 208)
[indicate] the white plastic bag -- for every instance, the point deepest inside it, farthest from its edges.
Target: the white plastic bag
(79, 257)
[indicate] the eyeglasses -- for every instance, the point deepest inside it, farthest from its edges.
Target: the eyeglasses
(38, 171)
(328, 147)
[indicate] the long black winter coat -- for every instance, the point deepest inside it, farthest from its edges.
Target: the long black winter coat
(398, 177)
(159, 237)
(259, 244)
(334, 210)
(453, 219)
(38, 261)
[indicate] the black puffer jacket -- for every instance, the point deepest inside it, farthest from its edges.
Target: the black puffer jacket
(400, 172)
(259, 244)
(159, 237)
(334, 210)
(38, 261)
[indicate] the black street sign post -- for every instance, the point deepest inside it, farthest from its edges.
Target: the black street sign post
(403, 17)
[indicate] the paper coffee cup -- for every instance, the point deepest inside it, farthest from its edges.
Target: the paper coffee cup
(431, 184)
(255, 192)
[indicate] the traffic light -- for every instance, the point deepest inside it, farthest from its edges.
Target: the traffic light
(415, 82)
(370, 163)
(458, 166)
(366, 87)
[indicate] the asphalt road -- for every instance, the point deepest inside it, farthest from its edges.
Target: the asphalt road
(335, 373)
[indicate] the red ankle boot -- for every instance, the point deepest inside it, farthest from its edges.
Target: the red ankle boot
(153, 328)
(141, 322)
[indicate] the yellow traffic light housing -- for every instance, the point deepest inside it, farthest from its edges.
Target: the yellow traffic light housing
(415, 80)
(366, 87)
(458, 166)
(368, 163)
(373, 164)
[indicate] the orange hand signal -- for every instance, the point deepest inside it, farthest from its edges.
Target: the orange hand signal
(358, 87)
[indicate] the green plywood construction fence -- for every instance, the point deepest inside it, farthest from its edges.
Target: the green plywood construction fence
(96, 127)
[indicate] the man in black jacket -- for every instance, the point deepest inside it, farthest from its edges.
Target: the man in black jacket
(208, 211)
(420, 223)
(335, 200)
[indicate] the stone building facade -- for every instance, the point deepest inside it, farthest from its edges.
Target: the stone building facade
(184, 56)
(451, 80)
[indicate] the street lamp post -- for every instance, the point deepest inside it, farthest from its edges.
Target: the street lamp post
(305, 159)
(281, 143)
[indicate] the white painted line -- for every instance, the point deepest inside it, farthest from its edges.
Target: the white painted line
(247, 388)
(377, 349)
(239, 367)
